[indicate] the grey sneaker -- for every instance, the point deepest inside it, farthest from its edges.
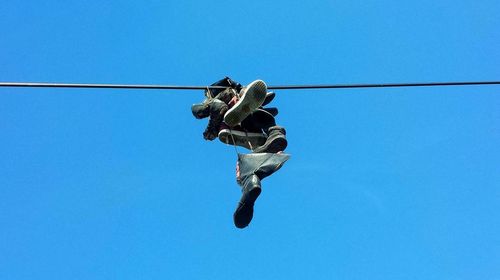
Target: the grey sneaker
(249, 140)
(252, 98)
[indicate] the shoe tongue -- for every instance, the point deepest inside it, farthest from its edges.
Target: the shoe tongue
(260, 164)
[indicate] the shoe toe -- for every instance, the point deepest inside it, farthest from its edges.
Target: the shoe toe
(243, 215)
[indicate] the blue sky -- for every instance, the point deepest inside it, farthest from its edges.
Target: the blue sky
(400, 183)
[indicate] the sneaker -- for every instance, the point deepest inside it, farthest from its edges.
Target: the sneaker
(217, 111)
(200, 110)
(241, 138)
(252, 98)
(225, 82)
(276, 141)
(244, 211)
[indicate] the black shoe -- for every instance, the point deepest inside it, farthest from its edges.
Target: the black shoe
(217, 111)
(226, 82)
(244, 212)
(200, 110)
(276, 141)
(251, 169)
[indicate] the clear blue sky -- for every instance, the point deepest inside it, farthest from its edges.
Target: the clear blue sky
(119, 184)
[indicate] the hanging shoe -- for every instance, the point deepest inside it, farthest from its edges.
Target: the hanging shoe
(200, 110)
(249, 140)
(252, 98)
(276, 141)
(250, 170)
(217, 111)
(244, 211)
(225, 82)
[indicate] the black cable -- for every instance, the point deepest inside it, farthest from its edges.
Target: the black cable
(113, 86)
(171, 87)
(386, 85)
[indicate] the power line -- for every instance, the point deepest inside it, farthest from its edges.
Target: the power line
(174, 87)
(387, 85)
(112, 86)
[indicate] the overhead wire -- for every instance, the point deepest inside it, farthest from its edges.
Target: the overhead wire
(339, 86)
(288, 87)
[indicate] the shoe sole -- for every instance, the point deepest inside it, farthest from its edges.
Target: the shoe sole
(247, 140)
(278, 144)
(253, 98)
(244, 213)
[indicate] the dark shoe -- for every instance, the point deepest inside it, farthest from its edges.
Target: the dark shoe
(250, 169)
(217, 111)
(226, 82)
(252, 98)
(244, 212)
(269, 97)
(276, 141)
(242, 138)
(201, 110)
